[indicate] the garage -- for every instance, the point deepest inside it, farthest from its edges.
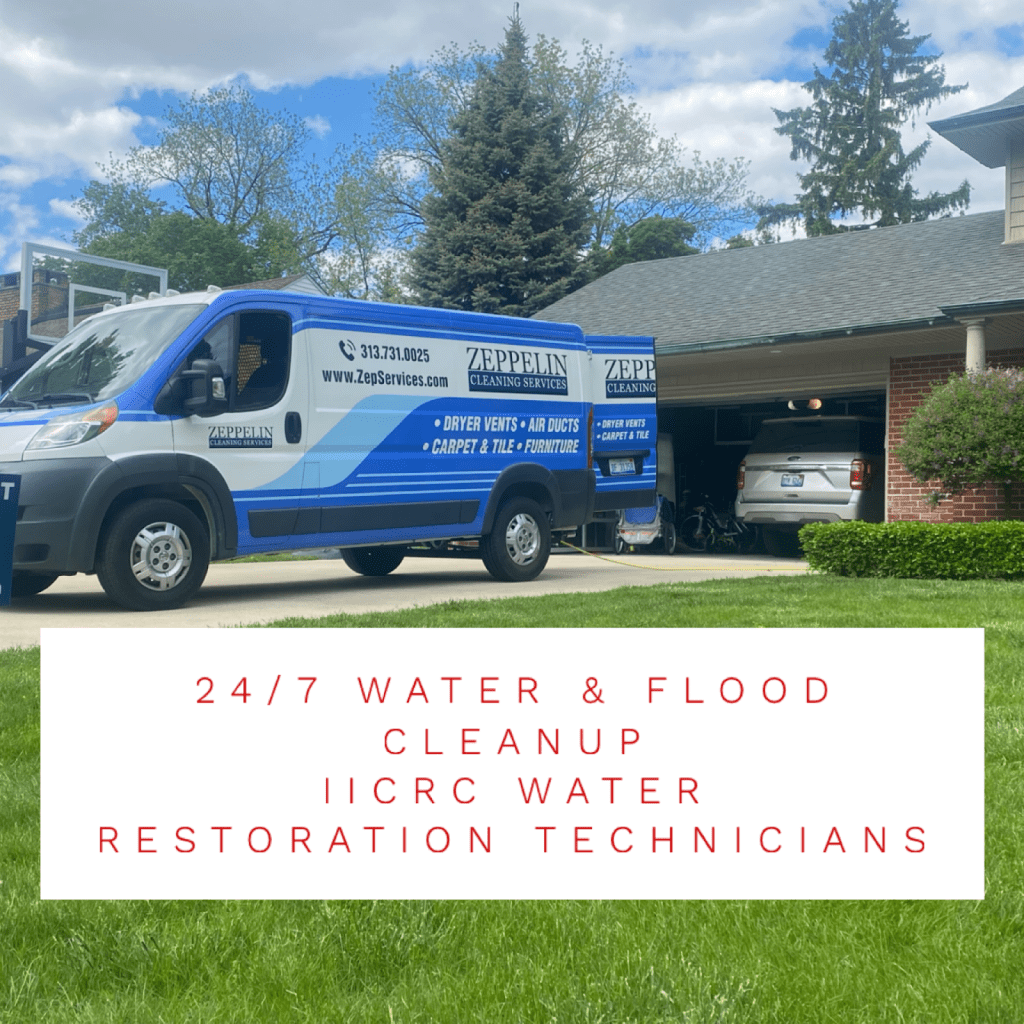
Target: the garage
(865, 321)
(709, 441)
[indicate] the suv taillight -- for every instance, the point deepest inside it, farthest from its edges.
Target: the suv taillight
(860, 475)
(741, 475)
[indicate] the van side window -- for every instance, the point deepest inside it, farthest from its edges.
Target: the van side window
(216, 344)
(264, 358)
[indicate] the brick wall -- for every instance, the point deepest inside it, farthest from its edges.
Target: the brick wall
(49, 295)
(10, 300)
(910, 378)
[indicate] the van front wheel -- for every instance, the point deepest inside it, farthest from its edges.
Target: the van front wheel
(153, 556)
(517, 548)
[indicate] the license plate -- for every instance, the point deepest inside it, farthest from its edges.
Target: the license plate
(619, 467)
(792, 480)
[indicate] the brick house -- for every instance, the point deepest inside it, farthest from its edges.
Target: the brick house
(49, 299)
(866, 320)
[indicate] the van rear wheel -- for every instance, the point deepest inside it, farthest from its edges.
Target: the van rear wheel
(373, 561)
(517, 548)
(153, 556)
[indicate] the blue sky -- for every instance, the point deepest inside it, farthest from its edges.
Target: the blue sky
(81, 83)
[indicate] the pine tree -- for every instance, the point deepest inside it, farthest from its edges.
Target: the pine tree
(851, 132)
(504, 223)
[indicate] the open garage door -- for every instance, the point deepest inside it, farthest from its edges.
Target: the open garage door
(709, 441)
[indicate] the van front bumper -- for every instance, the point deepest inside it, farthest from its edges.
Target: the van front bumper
(49, 499)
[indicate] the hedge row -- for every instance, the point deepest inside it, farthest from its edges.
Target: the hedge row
(912, 550)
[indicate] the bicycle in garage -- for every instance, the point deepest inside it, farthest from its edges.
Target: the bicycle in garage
(708, 529)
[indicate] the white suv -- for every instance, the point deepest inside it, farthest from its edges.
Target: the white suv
(811, 469)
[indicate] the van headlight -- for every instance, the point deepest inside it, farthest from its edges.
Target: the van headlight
(74, 428)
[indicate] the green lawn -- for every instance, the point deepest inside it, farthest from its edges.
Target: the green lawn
(323, 962)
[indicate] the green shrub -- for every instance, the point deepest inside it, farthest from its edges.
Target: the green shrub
(968, 432)
(922, 551)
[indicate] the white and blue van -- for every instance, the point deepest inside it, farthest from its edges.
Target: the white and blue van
(162, 435)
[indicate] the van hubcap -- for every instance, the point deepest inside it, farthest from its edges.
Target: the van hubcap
(160, 556)
(522, 539)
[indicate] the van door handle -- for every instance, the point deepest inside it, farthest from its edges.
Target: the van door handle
(292, 427)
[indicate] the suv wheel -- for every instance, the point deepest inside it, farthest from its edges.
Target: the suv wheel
(782, 544)
(668, 536)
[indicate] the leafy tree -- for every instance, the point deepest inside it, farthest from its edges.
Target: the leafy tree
(969, 432)
(653, 238)
(227, 159)
(365, 261)
(877, 81)
(227, 162)
(628, 169)
(197, 251)
(616, 156)
(114, 207)
(505, 221)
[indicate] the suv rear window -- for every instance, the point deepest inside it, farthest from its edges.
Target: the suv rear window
(818, 435)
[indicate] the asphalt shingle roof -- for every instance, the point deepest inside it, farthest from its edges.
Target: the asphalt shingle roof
(885, 277)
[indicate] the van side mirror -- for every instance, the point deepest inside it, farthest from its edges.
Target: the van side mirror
(207, 395)
(198, 391)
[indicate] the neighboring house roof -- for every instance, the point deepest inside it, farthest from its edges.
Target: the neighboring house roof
(872, 280)
(984, 133)
(295, 283)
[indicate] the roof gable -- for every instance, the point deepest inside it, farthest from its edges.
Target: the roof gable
(988, 132)
(301, 283)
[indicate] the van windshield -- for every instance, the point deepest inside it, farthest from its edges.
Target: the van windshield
(101, 358)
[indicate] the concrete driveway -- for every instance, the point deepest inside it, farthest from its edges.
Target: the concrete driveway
(236, 594)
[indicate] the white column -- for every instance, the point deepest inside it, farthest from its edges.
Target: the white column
(975, 344)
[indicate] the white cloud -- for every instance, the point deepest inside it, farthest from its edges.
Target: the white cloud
(318, 125)
(705, 71)
(20, 221)
(66, 211)
(734, 121)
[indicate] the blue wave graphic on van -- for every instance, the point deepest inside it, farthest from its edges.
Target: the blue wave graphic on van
(360, 431)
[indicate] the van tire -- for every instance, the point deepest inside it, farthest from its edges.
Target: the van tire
(373, 561)
(517, 548)
(28, 584)
(153, 556)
